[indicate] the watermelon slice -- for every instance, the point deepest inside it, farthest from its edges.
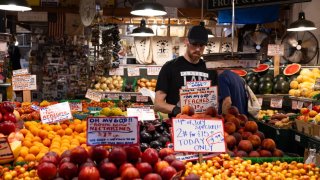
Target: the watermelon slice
(240, 72)
(291, 69)
(261, 68)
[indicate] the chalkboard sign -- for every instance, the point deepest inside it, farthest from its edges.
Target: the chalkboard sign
(112, 131)
(198, 135)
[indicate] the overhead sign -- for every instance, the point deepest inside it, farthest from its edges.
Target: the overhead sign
(112, 131)
(55, 113)
(199, 98)
(226, 4)
(275, 50)
(24, 83)
(198, 135)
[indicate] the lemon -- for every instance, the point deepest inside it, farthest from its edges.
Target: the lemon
(106, 111)
(294, 84)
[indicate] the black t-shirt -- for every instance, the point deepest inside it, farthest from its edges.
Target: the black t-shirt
(175, 73)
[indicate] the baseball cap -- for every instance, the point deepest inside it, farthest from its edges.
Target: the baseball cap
(198, 34)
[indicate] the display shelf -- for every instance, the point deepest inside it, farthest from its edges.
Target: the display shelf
(305, 141)
(304, 99)
(271, 95)
(5, 84)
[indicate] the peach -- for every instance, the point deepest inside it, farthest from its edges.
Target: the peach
(211, 111)
(254, 154)
(277, 153)
(313, 113)
(265, 153)
(245, 145)
(251, 126)
(230, 141)
(237, 136)
(243, 119)
(235, 121)
(241, 154)
(255, 140)
(233, 110)
(268, 144)
(228, 116)
(187, 110)
(260, 134)
(245, 135)
(229, 127)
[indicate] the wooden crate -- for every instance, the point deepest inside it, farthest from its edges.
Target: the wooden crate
(304, 127)
(316, 130)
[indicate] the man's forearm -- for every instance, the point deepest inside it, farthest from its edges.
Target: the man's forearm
(164, 107)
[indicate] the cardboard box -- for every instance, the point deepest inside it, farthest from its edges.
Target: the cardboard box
(316, 130)
(304, 127)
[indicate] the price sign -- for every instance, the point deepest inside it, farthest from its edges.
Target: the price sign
(126, 97)
(24, 83)
(294, 104)
(300, 104)
(198, 135)
(55, 113)
(5, 149)
(117, 71)
(276, 102)
(75, 106)
(20, 72)
(198, 84)
(275, 49)
(94, 95)
(112, 131)
(199, 98)
(260, 100)
(195, 156)
(143, 114)
(113, 96)
(141, 98)
(308, 105)
(133, 71)
(153, 70)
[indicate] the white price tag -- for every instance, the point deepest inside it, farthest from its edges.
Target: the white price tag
(117, 71)
(133, 71)
(308, 105)
(275, 49)
(297, 138)
(260, 100)
(55, 113)
(126, 97)
(113, 96)
(94, 95)
(294, 104)
(276, 102)
(153, 71)
(300, 104)
(24, 82)
(143, 114)
(142, 98)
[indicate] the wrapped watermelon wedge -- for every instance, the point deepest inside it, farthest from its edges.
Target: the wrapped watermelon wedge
(262, 69)
(292, 69)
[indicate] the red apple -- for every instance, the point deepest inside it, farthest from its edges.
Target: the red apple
(87, 164)
(9, 117)
(47, 170)
(1, 118)
(63, 160)
(133, 153)
(89, 173)
(144, 168)
(7, 127)
(50, 159)
(118, 156)
(152, 176)
(170, 158)
(160, 165)
(6, 107)
(167, 172)
(150, 156)
(178, 165)
(108, 170)
(124, 167)
(51, 153)
(130, 173)
(165, 152)
(68, 170)
(98, 153)
(79, 155)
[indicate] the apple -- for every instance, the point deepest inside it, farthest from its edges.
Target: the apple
(6, 107)
(130, 173)
(1, 117)
(165, 152)
(66, 153)
(79, 155)
(178, 165)
(124, 167)
(152, 176)
(68, 170)
(49, 158)
(150, 156)
(118, 156)
(47, 170)
(89, 173)
(98, 153)
(7, 127)
(51, 153)
(133, 153)
(144, 168)
(9, 117)
(167, 173)
(170, 158)
(108, 170)
(87, 164)
(160, 165)
(63, 160)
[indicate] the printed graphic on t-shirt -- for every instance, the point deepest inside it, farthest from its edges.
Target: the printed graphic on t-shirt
(193, 76)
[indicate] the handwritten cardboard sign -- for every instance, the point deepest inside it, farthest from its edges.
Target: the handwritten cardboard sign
(75, 106)
(5, 149)
(112, 131)
(199, 98)
(94, 95)
(153, 70)
(20, 72)
(55, 113)
(133, 71)
(143, 114)
(198, 84)
(25, 82)
(275, 49)
(198, 135)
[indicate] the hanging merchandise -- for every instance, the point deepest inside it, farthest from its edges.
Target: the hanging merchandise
(182, 47)
(162, 49)
(143, 50)
(213, 46)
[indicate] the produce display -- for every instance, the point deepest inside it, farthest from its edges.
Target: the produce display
(108, 84)
(147, 83)
(276, 119)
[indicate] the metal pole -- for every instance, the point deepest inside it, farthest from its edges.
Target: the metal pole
(232, 27)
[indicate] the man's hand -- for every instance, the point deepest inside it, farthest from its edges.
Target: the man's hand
(175, 111)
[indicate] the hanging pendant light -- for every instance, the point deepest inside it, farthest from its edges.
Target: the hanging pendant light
(302, 24)
(148, 8)
(14, 5)
(142, 31)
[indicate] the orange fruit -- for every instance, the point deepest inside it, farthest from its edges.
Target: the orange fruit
(30, 157)
(37, 139)
(68, 131)
(56, 127)
(27, 144)
(58, 151)
(44, 150)
(79, 128)
(63, 126)
(34, 150)
(46, 142)
(60, 132)
(19, 159)
(24, 131)
(77, 121)
(72, 126)
(34, 131)
(43, 134)
(39, 156)
(72, 146)
(24, 151)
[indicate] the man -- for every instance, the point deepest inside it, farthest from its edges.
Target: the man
(232, 92)
(175, 73)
